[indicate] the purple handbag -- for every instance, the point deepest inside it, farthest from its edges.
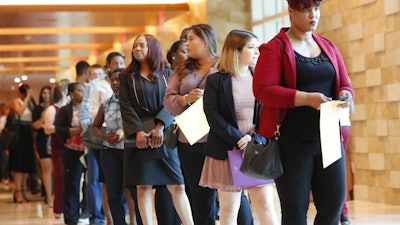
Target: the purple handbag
(241, 180)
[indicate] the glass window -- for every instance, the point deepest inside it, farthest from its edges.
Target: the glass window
(256, 10)
(258, 30)
(268, 17)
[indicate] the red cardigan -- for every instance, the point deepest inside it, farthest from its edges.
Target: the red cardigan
(267, 78)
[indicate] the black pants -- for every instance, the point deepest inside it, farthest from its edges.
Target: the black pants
(73, 170)
(303, 172)
(203, 199)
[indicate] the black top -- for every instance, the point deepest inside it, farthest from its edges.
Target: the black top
(313, 75)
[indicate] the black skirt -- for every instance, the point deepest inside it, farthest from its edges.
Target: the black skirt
(22, 155)
(163, 171)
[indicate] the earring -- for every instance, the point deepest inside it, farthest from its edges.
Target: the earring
(173, 57)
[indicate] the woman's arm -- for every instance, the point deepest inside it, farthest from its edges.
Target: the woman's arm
(174, 101)
(37, 119)
(98, 121)
(213, 110)
(49, 117)
(62, 123)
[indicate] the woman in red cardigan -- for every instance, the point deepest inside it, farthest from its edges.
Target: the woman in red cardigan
(297, 71)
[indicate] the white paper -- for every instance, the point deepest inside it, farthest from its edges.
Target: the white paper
(344, 117)
(330, 132)
(193, 122)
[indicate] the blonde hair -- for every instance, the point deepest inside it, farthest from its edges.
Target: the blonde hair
(234, 43)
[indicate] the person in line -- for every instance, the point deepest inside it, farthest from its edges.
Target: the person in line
(4, 151)
(41, 144)
(115, 61)
(82, 72)
(112, 154)
(91, 99)
(229, 108)
(177, 54)
(68, 127)
(142, 89)
(297, 71)
(60, 99)
(82, 76)
(186, 86)
(22, 155)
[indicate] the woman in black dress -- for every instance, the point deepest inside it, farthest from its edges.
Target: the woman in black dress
(22, 156)
(142, 89)
(42, 142)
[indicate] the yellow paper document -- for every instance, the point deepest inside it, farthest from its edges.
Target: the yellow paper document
(193, 122)
(330, 132)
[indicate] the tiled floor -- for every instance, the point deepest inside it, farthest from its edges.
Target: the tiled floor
(37, 213)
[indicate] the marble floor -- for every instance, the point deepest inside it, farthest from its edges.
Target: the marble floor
(37, 213)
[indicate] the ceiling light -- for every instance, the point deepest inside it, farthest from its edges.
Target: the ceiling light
(24, 77)
(90, 2)
(52, 80)
(17, 80)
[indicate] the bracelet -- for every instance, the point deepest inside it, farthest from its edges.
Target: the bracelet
(184, 99)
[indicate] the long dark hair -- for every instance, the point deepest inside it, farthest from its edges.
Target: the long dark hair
(23, 89)
(154, 58)
(207, 34)
(41, 99)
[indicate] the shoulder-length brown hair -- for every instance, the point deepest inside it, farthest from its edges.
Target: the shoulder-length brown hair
(154, 58)
(234, 43)
(207, 34)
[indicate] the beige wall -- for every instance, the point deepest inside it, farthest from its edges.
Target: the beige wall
(225, 16)
(367, 32)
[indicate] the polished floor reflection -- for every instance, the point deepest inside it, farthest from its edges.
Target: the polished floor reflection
(37, 213)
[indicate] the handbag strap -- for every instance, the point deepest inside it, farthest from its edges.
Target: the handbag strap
(283, 82)
(258, 105)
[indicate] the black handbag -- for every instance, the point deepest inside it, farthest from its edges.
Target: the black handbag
(171, 136)
(262, 158)
(148, 153)
(90, 141)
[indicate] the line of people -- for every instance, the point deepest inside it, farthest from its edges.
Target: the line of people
(193, 183)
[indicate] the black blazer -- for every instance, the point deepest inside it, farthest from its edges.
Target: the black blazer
(63, 122)
(219, 108)
(131, 111)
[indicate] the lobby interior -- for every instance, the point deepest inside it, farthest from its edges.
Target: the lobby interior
(45, 41)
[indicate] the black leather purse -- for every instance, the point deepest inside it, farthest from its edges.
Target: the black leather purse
(171, 136)
(262, 158)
